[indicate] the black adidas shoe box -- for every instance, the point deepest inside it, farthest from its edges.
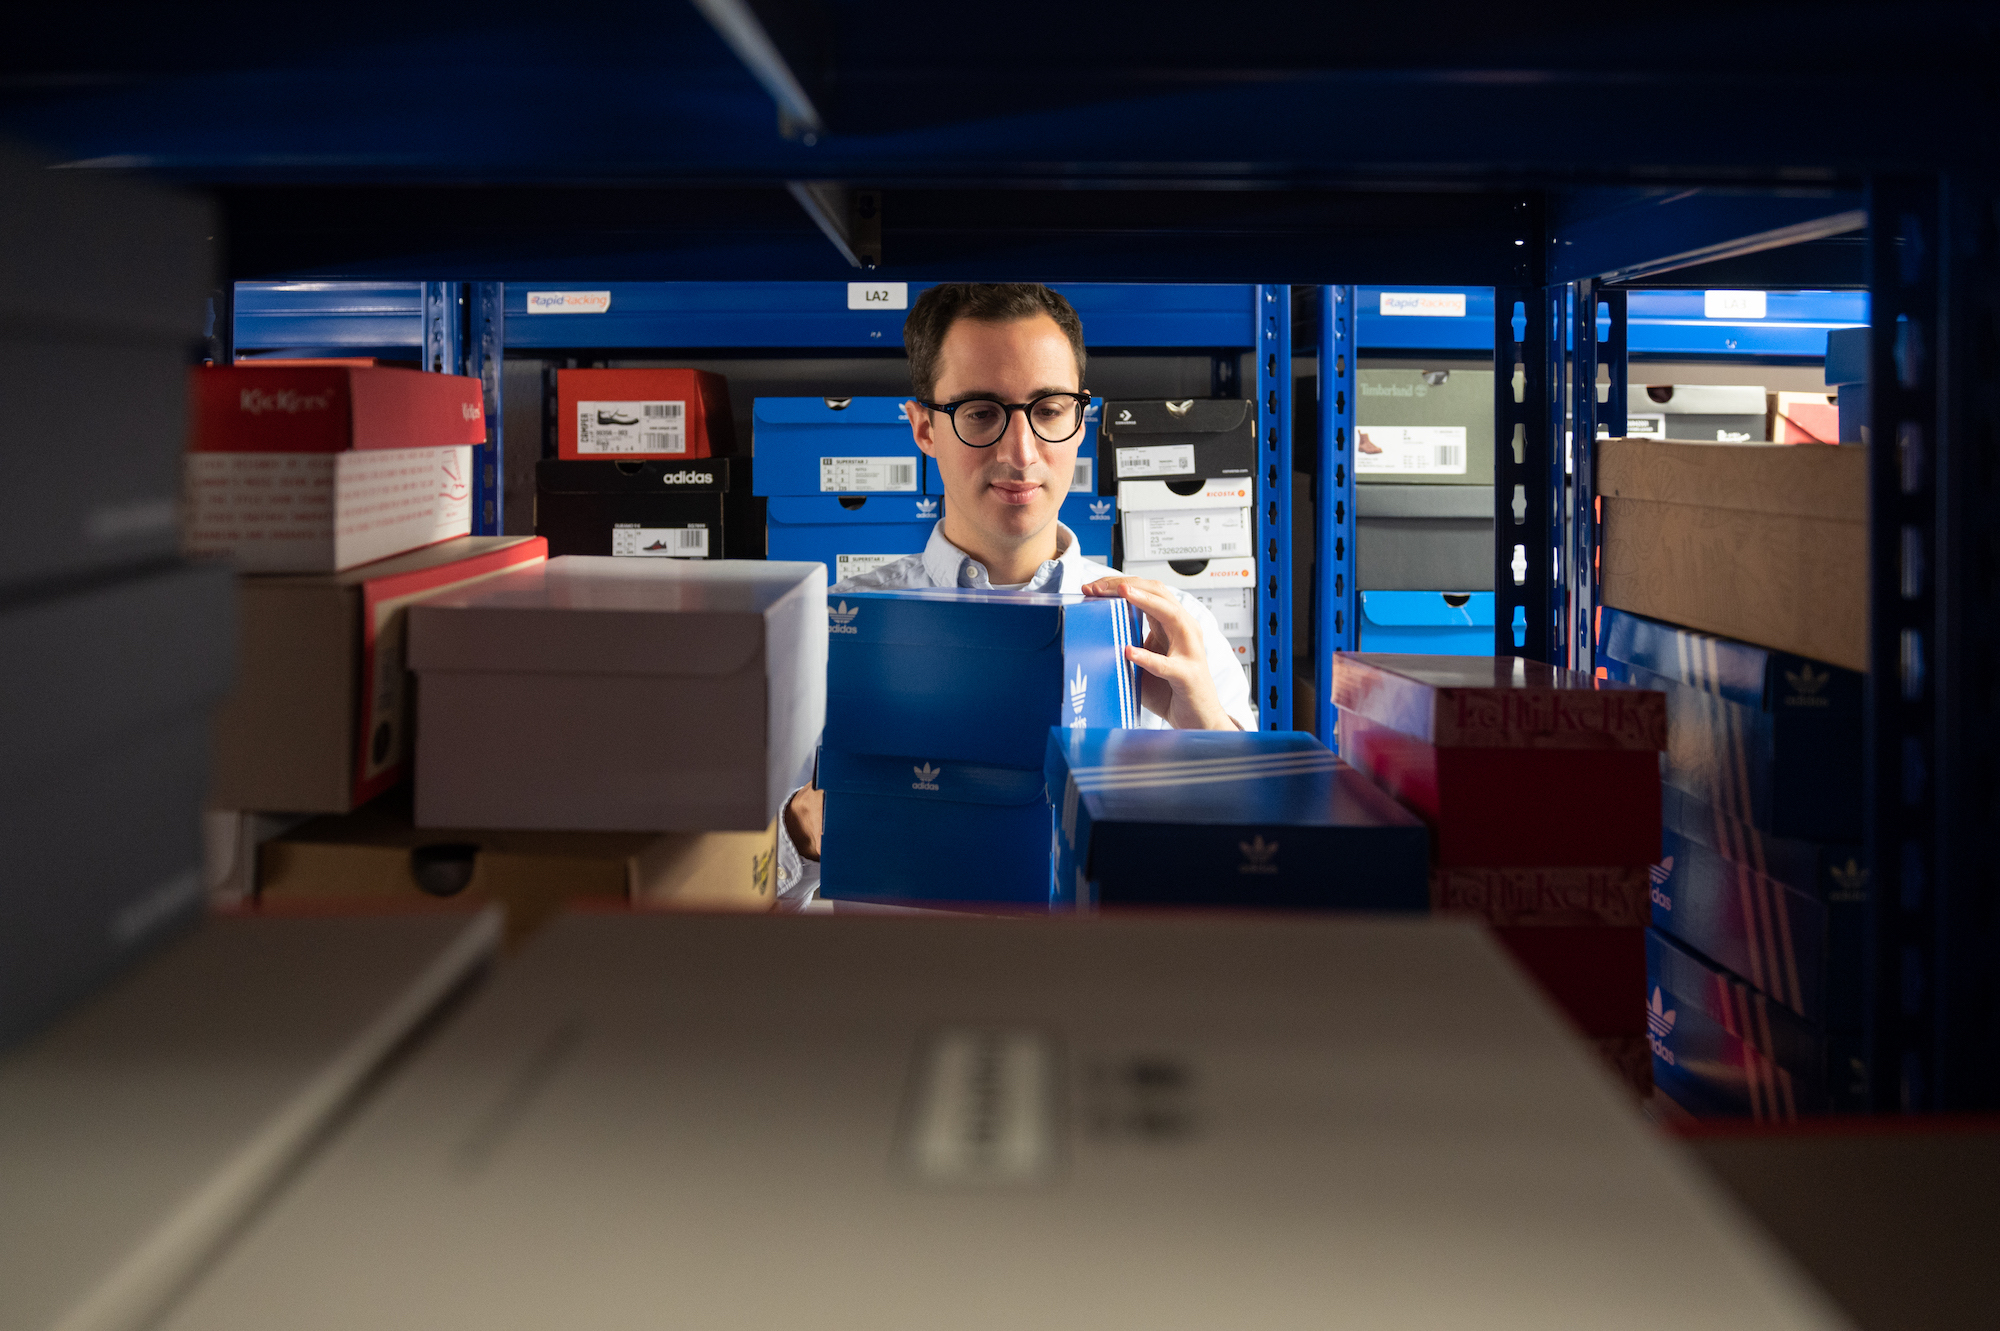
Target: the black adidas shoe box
(698, 509)
(1173, 441)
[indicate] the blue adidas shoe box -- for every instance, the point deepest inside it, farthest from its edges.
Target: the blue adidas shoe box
(1227, 818)
(1427, 623)
(850, 534)
(835, 446)
(1093, 518)
(1770, 738)
(944, 676)
(1721, 1048)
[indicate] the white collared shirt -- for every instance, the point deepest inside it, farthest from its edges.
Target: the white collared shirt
(943, 564)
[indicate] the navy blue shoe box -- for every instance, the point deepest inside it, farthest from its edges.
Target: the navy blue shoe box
(1227, 818)
(845, 484)
(1721, 1048)
(939, 705)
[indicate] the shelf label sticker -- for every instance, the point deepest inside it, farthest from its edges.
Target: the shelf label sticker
(849, 475)
(878, 295)
(1081, 481)
(630, 540)
(1426, 304)
(569, 302)
(631, 427)
(1410, 450)
(853, 566)
(983, 1109)
(1156, 460)
(1733, 304)
(1222, 533)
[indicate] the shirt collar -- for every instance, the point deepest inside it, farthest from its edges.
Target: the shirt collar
(948, 566)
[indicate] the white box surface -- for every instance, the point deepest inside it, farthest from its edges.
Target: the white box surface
(1183, 496)
(1200, 574)
(1164, 1124)
(1234, 608)
(593, 693)
(1202, 533)
(325, 512)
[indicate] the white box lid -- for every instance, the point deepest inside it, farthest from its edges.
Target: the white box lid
(1145, 496)
(1697, 400)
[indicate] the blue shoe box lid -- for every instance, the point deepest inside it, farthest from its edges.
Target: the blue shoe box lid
(1211, 817)
(835, 446)
(850, 534)
(978, 677)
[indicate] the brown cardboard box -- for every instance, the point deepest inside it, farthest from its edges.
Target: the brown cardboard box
(378, 852)
(319, 722)
(1761, 543)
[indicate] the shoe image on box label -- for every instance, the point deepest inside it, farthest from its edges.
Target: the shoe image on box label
(629, 539)
(1410, 450)
(837, 475)
(631, 427)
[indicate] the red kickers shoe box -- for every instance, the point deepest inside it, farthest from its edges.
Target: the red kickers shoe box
(633, 415)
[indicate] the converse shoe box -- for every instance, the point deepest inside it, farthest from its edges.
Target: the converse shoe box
(1181, 440)
(104, 754)
(1160, 1123)
(620, 695)
(1698, 413)
(647, 509)
(1195, 519)
(142, 1131)
(105, 280)
(1425, 428)
(1226, 818)
(669, 415)
(319, 721)
(836, 446)
(850, 534)
(1424, 538)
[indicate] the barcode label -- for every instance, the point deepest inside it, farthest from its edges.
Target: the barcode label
(629, 540)
(853, 566)
(1201, 534)
(1081, 480)
(1232, 607)
(1410, 450)
(1156, 460)
(631, 427)
(851, 475)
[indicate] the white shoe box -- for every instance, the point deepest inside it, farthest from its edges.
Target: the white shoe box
(1179, 520)
(1199, 574)
(1234, 608)
(620, 695)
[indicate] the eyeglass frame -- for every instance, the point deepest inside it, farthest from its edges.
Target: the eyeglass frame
(1083, 400)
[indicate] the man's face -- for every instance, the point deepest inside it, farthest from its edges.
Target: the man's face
(1008, 493)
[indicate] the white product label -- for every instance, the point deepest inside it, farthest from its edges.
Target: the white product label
(878, 295)
(1202, 534)
(1082, 480)
(1430, 304)
(846, 475)
(983, 1109)
(634, 541)
(1157, 460)
(568, 302)
(1233, 610)
(1733, 304)
(853, 566)
(1410, 450)
(631, 427)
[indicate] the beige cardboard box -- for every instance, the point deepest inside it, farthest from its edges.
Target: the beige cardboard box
(1764, 543)
(378, 852)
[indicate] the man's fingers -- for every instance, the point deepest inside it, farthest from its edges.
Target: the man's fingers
(1167, 613)
(1157, 664)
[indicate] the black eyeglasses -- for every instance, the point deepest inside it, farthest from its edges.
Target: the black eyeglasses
(980, 421)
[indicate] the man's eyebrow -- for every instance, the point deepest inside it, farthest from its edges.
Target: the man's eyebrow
(989, 394)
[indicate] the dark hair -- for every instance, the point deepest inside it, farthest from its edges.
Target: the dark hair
(988, 302)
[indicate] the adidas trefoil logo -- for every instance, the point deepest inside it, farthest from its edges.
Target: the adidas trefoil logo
(1851, 878)
(927, 508)
(841, 618)
(927, 776)
(1659, 874)
(1100, 508)
(1806, 685)
(1079, 692)
(1659, 1025)
(1257, 855)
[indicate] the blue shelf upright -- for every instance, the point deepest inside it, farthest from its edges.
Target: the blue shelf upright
(1336, 600)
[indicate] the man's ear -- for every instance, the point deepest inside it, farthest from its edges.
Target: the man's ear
(920, 419)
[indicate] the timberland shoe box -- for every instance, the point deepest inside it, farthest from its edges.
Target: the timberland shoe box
(320, 718)
(940, 676)
(1198, 574)
(850, 534)
(1770, 738)
(377, 853)
(1226, 818)
(1180, 440)
(627, 695)
(1697, 413)
(1193, 519)
(630, 414)
(836, 446)
(1424, 427)
(633, 509)
(1424, 537)
(1511, 762)
(1763, 544)
(1722, 1048)
(104, 754)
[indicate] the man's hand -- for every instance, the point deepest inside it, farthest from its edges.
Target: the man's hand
(1176, 682)
(803, 815)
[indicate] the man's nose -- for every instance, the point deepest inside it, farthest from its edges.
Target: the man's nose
(1019, 445)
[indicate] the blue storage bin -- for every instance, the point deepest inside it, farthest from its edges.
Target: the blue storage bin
(1430, 623)
(835, 446)
(849, 534)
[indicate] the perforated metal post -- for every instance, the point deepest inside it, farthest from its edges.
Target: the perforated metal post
(1274, 505)
(1527, 480)
(444, 318)
(1337, 600)
(485, 349)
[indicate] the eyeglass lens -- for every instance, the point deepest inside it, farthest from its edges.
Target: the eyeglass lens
(1055, 418)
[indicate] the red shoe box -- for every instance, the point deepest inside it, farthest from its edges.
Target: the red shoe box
(1595, 973)
(1510, 762)
(1545, 895)
(638, 414)
(331, 409)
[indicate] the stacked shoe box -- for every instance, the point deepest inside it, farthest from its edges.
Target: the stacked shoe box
(1541, 787)
(1697, 413)
(939, 705)
(844, 481)
(1184, 473)
(644, 469)
(1092, 516)
(114, 651)
(1760, 899)
(1423, 504)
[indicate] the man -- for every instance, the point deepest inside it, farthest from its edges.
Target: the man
(998, 370)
